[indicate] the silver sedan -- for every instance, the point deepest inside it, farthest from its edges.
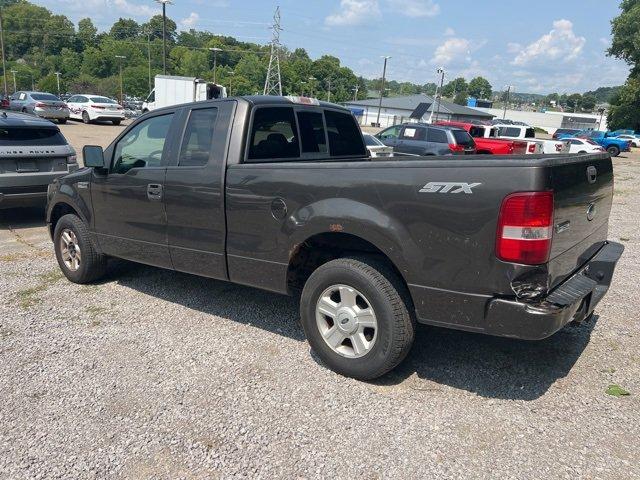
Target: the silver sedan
(44, 105)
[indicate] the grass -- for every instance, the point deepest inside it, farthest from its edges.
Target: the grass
(29, 297)
(616, 391)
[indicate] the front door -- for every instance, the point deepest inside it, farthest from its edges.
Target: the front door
(128, 202)
(412, 140)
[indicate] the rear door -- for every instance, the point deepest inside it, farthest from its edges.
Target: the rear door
(128, 202)
(194, 192)
(583, 192)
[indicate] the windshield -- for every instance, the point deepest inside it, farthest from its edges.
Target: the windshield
(371, 141)
(44, 96)
(30, 137)
(102, 100)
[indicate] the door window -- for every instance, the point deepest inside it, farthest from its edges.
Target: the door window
(392, 132)
(438, 136)
(198, 137)
(142, 146)
(345, 137)
(274, 134)
(413, 133)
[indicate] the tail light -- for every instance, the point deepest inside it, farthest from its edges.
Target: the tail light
(532, 148)
(72, 159)
(456, 148)
(525, 228)
(97, 107)
(558, 147)
(40, 105)
(120, 107)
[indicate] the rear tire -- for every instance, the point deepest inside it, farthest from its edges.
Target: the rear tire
(85, 117)
(613, 151)
(77, 257)
(62, 121)
(379, 319)
(116, 122)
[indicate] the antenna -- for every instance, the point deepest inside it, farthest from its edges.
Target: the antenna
(273, 82)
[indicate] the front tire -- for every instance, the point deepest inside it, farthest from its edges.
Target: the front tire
(85, 117)
(62, 121)
(75, 252)
(613, 150)
(356, 317)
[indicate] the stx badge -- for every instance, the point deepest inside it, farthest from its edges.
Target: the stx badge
(448, 187)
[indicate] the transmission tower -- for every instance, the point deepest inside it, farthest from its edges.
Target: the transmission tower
(273, 82)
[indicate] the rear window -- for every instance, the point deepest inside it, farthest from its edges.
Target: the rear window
(30, 137)
(530, 133)
(438, 136)
(44, 96)
(371, 141)
(312, 131)
(462, 138)
(102, 100)
(274, 134)
(345, 138)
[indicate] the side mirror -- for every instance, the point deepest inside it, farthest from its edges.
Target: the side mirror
(93, 156)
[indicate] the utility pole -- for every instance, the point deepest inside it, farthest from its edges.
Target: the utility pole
(4, 65)
(311, 86)
(215, 51)
(231, 73)
(506, 103)
(149, 56)
(58, 81)
(329, 91)
(355, 92)
(442, 73)
(164, 33)
(384, 74)
(14, 81)
(120, 58)
(273, 82)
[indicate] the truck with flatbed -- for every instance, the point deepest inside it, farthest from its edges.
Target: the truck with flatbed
(281, 194)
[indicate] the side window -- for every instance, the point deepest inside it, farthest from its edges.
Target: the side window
(438, 136)
(152, 97)
(413, 133)
(198, 137)
(530, 133)
(274, 134)
(345, 137)
(71, 99)
(312, 133)
(510, 132)
(476, 132)
(391, 132)
(142, 146)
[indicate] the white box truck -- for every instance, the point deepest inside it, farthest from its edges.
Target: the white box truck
(169, 90)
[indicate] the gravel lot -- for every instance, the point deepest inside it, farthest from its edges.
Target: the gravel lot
(154, 374)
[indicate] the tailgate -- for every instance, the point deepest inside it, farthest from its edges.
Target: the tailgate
(583, 192)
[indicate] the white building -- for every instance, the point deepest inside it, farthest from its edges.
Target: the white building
(551, 121)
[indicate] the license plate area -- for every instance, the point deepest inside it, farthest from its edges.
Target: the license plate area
(27, 166)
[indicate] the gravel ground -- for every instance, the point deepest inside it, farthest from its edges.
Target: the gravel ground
(154, 374)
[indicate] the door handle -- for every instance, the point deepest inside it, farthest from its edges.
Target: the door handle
(154, 191)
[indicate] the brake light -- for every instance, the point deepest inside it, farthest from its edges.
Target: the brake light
(525, 228)
(72, 159)
(456, 148)
(97, 107)
(40, 105)
(532, 148)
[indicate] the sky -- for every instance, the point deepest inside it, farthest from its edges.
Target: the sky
(536, 47)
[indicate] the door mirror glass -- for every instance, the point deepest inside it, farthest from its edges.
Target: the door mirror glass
(93, 156)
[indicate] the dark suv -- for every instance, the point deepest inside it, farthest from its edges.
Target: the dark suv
(33, 153)
(426, 139)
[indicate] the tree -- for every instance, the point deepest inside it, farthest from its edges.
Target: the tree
(625, 31)
(87, 33)
(429, 88)
(454, 87)
(50, 84)
(154, 28)
(125, 29)
(480, 87)
(573, 101)
(588, 102)
(461, 98)
(625, 106)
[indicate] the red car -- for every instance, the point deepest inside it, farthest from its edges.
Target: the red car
(487, 145)
(4, 102)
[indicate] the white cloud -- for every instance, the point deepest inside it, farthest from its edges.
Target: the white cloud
(452, 50)
(513, 47)
(449, 32)
(354, 12)
(133, 9)
(191, 21)
(560, 43)
(415, 8)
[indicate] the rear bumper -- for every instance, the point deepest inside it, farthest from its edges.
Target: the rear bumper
(50, 113)
(574, 299)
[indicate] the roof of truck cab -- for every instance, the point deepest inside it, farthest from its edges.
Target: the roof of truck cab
(17, 119)
(275, 100)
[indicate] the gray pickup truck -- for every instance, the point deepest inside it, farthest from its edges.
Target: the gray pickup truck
(280, 194)
(33, 152)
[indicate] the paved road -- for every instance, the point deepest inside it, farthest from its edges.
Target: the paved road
(154, 374)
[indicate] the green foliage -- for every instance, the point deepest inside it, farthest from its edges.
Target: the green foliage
(124, 29)
(454, 87)
(461, 98)
(625, 30)
(625, 107)
(50, 84)
(480, 87)
(616, 391)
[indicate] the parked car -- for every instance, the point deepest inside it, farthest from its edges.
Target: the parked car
(486, 144)
(635, 141)
(583, 145)
(42, 104)
(612, 145)
(376, 147)
(228, 189)
(564, 132)
(426, 139)
(4, 102)
(33, 153)
(90, 108)
(529, 134)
